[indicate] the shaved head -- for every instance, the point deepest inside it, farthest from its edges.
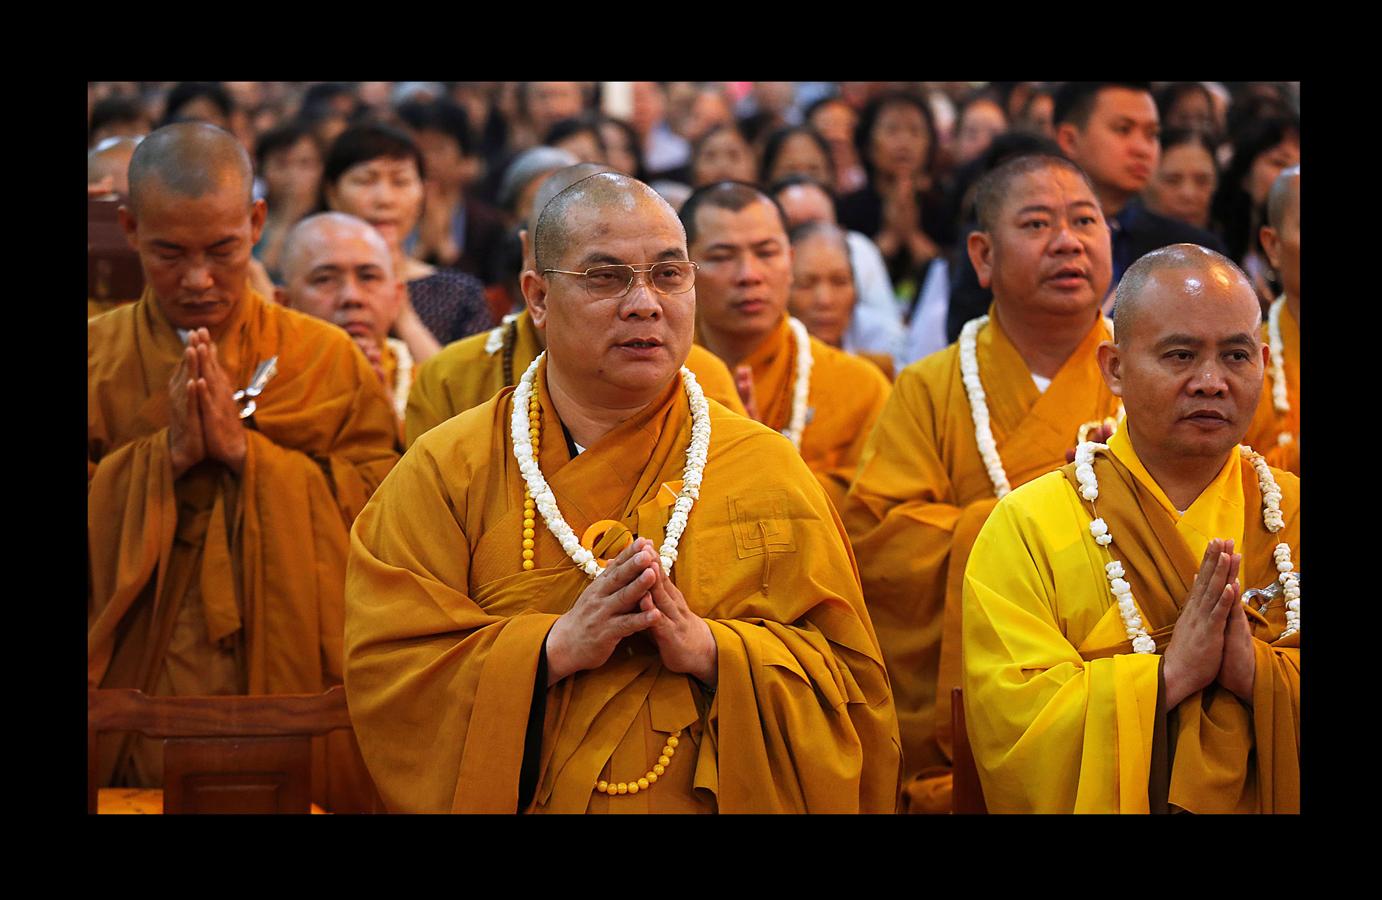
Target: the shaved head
(607, 192)
(558, 181)
(1285, 192)
(326, 228)
(192, 160)
(111, 159)
(1196, 266)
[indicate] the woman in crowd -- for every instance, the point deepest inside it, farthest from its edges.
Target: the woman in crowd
(1262, 148)
(797, 150)
(722, 154)
(823, 293)
(1183, 184)
(289, 163)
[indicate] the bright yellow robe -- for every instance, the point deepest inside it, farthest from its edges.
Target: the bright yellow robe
(464, 374)
(918, 501)
(1277, 435)
(213, 583)
(445, 630)
(1060, 712)
(846, 396)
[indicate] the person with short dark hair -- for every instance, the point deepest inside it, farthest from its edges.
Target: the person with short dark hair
(289, 162)
(797, 150)
(199, 101)
(118, 116)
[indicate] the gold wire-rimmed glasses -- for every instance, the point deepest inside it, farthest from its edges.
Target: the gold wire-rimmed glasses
(673, 276)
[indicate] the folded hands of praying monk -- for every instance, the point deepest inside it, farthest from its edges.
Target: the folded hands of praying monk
(1212, 641)
(205, 421)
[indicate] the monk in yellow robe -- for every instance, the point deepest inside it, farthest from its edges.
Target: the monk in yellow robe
(949, 444)
(468, 372)
(1275, 430)
(489, 669)
(1132, 622)
(217, 530)
(823, 399)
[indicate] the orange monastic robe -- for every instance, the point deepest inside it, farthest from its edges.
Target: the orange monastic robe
(846, 396)
(464, 374)
(445, 630)
(922, 493)
(1274, 434)
(217, 584)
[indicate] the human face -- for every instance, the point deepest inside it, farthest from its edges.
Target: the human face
(822, 294)
(551, 101)
(746, 269)
(583, 146)
(1184, 185)
(1118, 147)
(344, 275)
(441, 153)
(1049, 248)
(724, 156)
(1283, 245)
(294, 172)
(387, 193)
(1190, 373)
(196, 251)
(1270, 164)
(622, 350)
(900, 141)
(982, 122)
(799, 155)
(1192, 109)
(835, 121)
(708, 110)
(618, 153)
(806, 203)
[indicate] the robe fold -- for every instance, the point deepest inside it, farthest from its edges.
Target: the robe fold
(445, 630)
(1060, 712)
(218, 584)
(1274, 434)
(919, 499)
(846, 396)
(464, 374)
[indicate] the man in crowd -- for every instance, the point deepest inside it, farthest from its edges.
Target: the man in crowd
(1276, 428)
(479, 618)
(1114, 660)
(823, 399)
(967, 424)
(217, 529)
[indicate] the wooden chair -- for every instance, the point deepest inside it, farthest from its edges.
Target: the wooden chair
(967, 795)
(222, 754)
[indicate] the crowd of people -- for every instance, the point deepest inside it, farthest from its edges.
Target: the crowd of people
(391, 337)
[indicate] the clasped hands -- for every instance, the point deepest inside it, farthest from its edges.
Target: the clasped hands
(1212, 641)
(205, 419)
(633, 594)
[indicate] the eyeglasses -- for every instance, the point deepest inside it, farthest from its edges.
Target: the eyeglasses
(610, 282)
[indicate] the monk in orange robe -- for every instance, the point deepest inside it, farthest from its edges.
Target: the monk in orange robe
(217, 530)
(926, 483)
(1275, 431)
(823, 399)
(722, 660)
(1120, 651)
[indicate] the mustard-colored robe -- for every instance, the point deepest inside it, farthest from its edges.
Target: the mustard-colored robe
(216, 584)
(921, 495)
(1277, 435)
(1060, 712)
(444, 629)
(466, 373)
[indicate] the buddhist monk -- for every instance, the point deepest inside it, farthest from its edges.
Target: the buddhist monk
(1132, 621)
(600, 591)
(339, 269)
(217, 523)
(823, 399)
(1275, 430)
(967, 424)
(470, 371)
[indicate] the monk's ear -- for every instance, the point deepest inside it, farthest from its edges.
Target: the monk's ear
(535, 294)
(130, 226)
(1068, 137)
(526, 240)
(1271, 243)
(1111, 367)
(400, 296)
(259, 213)
(980, 248)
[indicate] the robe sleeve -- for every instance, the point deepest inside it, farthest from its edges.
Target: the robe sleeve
(1050, 731)
(426, 401)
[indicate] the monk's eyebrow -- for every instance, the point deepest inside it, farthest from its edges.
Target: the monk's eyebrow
(598, 259)
(1241, 339)
(1034, 208)
(1178, 340)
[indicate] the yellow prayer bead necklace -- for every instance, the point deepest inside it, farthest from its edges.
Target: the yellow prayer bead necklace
(529, 505)
(616, 788)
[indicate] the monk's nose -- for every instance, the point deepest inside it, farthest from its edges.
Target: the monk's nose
(197, 278)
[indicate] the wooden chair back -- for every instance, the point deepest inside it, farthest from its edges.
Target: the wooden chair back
(222, 754)
(967, 795)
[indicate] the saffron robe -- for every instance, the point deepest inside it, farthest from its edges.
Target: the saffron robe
(1273, 434)
(1060, 712)
(445, 630)
(468, 372)
(218, 584)
(846, 396)
(918, 501)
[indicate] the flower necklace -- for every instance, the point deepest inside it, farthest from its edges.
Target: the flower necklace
(801, 386)
(504, 337)
(1122, 591)
(979, 408)
(1279, 399)
(402, 375)
(526, 430)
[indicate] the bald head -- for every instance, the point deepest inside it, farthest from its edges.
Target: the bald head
(1192, 269)
(607, 193)
(558, 181)
(191, 160)
(339, 268)
(314, 235)
(1284, 197)
(111, 159)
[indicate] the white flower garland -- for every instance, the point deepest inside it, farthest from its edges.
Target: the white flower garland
(546, 501)
(494, 341)
(1122, 591)
(979, 408)
(1280, 401)
(801, 385)
(402, 375)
